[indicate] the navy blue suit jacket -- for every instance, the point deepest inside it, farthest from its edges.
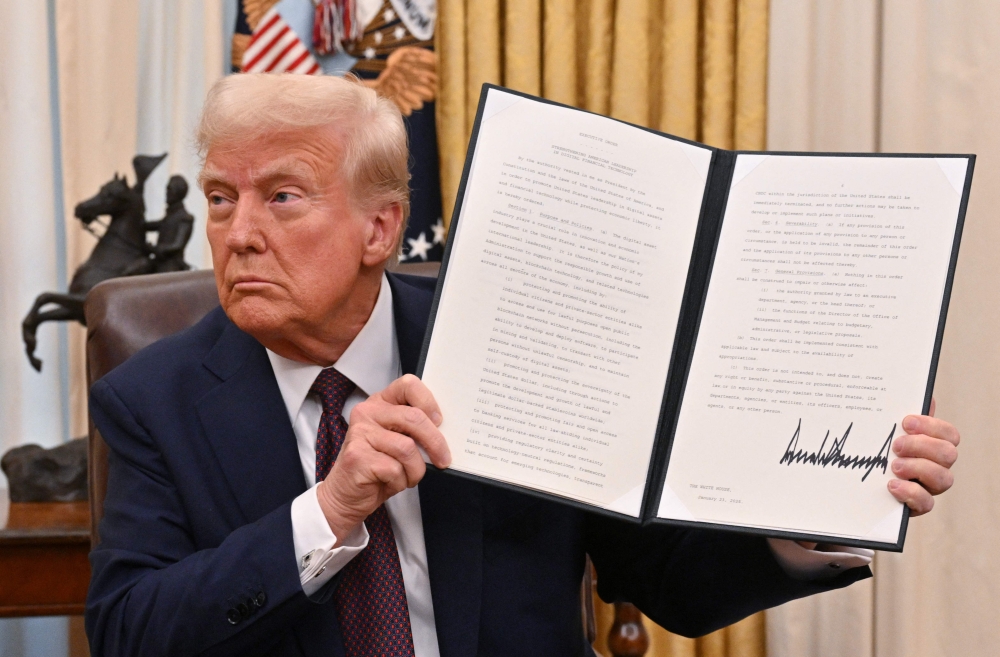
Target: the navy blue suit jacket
(203, 468)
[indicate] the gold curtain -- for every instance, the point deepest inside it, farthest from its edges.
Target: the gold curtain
(692, 68)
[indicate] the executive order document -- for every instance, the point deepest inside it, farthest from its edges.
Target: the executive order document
(816, 340)
(651, 327)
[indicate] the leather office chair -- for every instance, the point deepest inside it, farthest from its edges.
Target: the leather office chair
(127, 314)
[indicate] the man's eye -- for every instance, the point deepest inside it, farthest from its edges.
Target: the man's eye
(216, 199)
(282, 197)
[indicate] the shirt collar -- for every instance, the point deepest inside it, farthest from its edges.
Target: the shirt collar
(371, 361)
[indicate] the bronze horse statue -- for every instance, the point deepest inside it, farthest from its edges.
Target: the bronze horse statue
(122, 250)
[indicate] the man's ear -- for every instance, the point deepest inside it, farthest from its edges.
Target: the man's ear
(383, 232)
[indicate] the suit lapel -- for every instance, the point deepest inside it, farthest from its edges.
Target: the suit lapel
(248, 426)
(450, 507)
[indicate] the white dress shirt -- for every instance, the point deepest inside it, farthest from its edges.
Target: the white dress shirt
(372, 363)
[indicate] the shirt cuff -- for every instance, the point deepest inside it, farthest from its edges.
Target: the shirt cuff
(318, 561)
(823, 562)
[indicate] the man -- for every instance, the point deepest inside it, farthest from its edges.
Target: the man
(173, 231)
(216, 538)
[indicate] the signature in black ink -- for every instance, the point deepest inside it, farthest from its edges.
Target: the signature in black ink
(835, 456)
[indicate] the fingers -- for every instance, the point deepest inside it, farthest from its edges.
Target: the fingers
(403, 450)
(408, 390)
(931, 426)
(925, 455)
(412, 422)
(935, 478)
(370, 475)
(391, 473)
(376, 464)
(920, 446)
(411, 409)
(912, 495)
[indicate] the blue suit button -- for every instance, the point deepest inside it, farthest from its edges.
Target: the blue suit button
(233, 616)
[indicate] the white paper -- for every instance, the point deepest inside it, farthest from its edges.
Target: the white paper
(819, 324)
(554, 332)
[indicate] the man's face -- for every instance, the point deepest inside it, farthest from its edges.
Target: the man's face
(288, 244)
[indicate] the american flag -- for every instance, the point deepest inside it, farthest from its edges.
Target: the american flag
(276, 48)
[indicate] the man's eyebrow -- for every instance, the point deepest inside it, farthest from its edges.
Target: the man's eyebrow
(286, 169)
(211, 175)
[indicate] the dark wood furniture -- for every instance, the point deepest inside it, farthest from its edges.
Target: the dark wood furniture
(43, 558)
(627, 636)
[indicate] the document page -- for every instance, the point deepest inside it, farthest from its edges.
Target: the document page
(555, 326)
(816, 340)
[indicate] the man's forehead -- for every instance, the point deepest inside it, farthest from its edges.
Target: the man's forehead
(302, 155)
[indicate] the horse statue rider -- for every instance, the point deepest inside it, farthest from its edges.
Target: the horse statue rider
(173, 233)
(122, 250)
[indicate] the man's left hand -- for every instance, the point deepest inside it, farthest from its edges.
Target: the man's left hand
(925, 454)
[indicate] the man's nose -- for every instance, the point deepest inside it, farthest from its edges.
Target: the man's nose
(245, 232)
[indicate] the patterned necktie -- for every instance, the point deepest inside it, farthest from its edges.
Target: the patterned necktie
(371, 600)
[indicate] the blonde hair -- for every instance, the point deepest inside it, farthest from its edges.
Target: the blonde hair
(246, 106)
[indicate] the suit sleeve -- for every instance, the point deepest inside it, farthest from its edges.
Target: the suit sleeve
(153, 591)
(692, 581)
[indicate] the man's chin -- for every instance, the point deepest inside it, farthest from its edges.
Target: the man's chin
(256, 315)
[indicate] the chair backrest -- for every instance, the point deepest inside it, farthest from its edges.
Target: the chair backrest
(127, 314)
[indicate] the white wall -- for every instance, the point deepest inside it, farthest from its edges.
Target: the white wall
(31, 405)
(912, 75)
(84, 86)
(941, 92)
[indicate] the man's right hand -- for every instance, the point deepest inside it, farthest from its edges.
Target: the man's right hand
(379, 457)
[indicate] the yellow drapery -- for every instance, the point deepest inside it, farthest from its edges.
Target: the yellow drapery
(692, 68)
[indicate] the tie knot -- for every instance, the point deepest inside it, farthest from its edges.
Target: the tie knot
(333, 389)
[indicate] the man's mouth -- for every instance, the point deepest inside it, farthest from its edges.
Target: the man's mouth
(248, 283)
